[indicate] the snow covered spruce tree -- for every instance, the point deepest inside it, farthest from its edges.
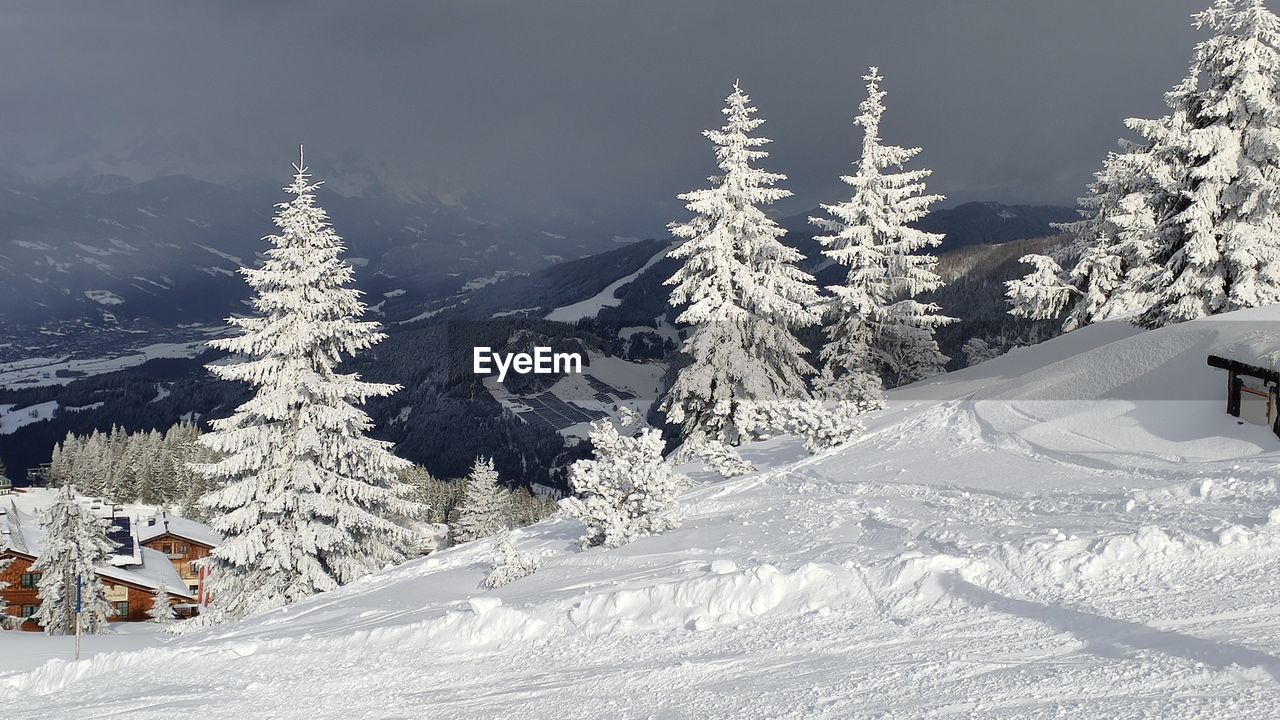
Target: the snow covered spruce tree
(876, 329)
(161, 610)
(305, 499)
(1185, 223)
(628, 491)
(1104, 271)
(1226, 231)
(75, 544)
(485, 504)
(739, 288)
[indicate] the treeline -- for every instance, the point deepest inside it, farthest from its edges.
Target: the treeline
(146, 467)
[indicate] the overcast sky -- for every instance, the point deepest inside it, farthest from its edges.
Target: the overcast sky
(595, 106)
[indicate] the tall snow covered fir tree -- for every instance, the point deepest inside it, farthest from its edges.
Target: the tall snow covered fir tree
(876, 329)
(1185, 223)
(739, 288)
(485, 505)
(75, 544)
(305, 499)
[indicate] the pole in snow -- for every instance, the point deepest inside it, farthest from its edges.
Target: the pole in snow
(78, 603)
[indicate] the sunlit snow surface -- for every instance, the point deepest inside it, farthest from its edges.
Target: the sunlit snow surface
(1072, 530)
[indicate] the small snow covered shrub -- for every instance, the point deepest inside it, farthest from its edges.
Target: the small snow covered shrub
(820, 426)
(977, 350)
(510, 564)
(628, 491)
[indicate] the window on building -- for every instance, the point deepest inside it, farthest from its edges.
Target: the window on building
(192, 570)
(30, 580)
(182, 548)
(166, 548)
(120, 609)
(29, 610)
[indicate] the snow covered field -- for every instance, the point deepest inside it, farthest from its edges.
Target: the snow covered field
(38, 372)
(1072, 530)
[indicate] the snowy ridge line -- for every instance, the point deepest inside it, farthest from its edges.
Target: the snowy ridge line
(725, 596)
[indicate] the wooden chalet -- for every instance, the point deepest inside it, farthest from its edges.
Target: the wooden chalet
(131, 577)
(183, 542)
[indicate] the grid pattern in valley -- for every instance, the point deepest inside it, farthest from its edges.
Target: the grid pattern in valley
(551, 412)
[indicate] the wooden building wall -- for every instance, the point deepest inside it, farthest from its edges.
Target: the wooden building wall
(139, 599)
(182, 552)
(15, 595)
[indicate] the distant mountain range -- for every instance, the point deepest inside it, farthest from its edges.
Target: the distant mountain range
(102, 254)
(977, 223)
(168, 249)
(991, 223)
(432, 311)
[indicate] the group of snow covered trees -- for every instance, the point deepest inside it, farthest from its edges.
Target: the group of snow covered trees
(148, 468)
(745, 298)
(446, 502)
(1184, 222)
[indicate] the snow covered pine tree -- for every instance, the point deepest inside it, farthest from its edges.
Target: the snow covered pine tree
(876, 328)
(305, 499)
(740, 290)
(75, 544)
(628, 491)
(1186, 223)
(485, 504)
(161, 611)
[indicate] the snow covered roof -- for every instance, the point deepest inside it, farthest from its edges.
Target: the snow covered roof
(18, 531)
(162, 524)
(154, 570)
(132, 564)
(1260, 348)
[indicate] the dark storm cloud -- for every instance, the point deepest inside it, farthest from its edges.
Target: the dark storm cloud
(595, 106)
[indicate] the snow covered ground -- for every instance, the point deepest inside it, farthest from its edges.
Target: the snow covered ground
(1073, 530)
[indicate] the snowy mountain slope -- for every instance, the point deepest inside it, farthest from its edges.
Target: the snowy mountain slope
(168, 248)
(970, 556)
(605, 298)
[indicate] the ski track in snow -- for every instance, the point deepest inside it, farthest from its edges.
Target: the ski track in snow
(972, 555)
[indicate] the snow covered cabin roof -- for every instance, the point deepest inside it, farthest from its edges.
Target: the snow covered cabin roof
(1259, 349)
(166, 524)
(154, 570)
(133, 564)
(18, 531)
